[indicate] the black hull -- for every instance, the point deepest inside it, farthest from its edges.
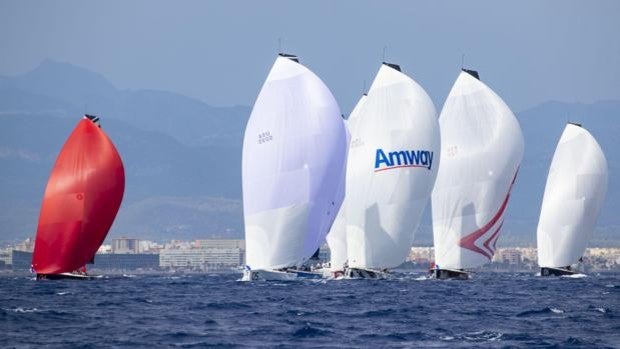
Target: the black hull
(357, 273)
(445, 274)
(556, 271)
(64, 276)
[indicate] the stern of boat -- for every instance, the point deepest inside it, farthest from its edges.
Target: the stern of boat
(548, 271)
(61, 276)
(446, 274)
(267, 275)
(361, 273)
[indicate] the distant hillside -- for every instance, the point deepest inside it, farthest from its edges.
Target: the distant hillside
(62, 89)
(174, 148)
(183, 157)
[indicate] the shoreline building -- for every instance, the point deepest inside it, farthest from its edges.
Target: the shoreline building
(125, 245)
(206, 255)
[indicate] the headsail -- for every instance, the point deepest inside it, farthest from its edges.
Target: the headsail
(294, 153)
(391, 170)
(81, 200)
(337, 236)
(481, 150)
(574, 194)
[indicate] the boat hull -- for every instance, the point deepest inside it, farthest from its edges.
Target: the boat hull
(62, 276)
(279, 275)
(361, 273)
(548, 271)
(307, 274)
(445, 274)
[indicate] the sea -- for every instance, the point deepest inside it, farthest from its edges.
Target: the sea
(491, 310)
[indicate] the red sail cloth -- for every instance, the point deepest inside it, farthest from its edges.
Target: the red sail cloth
(81, 200)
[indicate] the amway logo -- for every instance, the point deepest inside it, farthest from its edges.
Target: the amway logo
(403, 158)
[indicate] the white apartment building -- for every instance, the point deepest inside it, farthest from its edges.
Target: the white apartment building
(201, 258)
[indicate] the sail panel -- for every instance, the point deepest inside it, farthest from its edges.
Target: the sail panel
(81, 200)
(391, 170)
(293, 163)
(481, 149)
(574, 193)
(337, 236)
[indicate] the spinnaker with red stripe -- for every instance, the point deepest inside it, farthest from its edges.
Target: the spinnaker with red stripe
(481, 150)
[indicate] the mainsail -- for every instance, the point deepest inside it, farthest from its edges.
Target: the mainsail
(481, 149)
(574, 194)
(337, 236)
(391, 170)
(294, 156)
(81, 200)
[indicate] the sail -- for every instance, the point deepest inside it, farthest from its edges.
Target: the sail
(337, 236)
(391, 169)
(294, 153)
(481, 150)
(574, 194)
(82, 197)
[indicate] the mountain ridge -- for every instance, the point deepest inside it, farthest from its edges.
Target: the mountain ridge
(184, 156)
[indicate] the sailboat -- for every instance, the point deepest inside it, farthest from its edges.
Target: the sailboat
(81, 200)
(293, 167)
(391, 170)
(481, 150)
(337, 236)
(574, 194)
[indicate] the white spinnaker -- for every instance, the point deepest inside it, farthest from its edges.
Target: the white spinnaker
(574, 194)
(481, 150)
(384, 205)
(337, 236)
(293, 165)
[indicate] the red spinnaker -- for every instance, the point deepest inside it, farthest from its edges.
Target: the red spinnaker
(81, 200)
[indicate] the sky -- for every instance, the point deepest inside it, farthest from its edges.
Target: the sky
(529, 52)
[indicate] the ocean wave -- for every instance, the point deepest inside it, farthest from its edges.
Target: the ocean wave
(543, 311)
(574, 276)
(24, 310)
(310, 331)
(483, 336)
(495, 310)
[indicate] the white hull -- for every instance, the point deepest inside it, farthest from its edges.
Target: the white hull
(277, 275)
(267, 275)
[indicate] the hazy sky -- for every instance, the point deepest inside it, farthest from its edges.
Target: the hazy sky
(220, 52)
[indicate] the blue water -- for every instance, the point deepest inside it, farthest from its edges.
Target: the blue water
(491, 310)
